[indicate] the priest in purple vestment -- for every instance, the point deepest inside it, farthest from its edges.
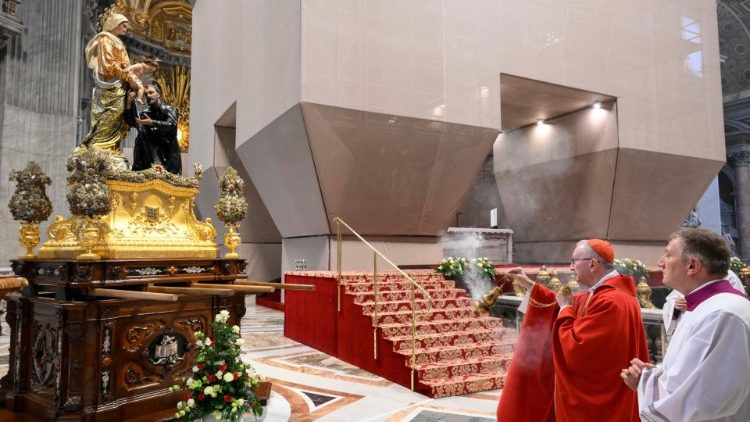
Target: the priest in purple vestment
(705, 375)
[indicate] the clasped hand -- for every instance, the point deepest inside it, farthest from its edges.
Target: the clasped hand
(632, 374)
(146, 121)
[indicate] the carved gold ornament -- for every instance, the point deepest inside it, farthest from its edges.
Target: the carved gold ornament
(152, 219)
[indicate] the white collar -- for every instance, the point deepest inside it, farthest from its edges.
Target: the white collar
(609, 275)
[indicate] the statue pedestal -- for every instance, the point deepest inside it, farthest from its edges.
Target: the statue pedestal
(150, 219)
(75, 357)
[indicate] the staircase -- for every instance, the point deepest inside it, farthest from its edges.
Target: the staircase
(456, 353)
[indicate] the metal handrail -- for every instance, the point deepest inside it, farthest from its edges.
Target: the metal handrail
(414, 284)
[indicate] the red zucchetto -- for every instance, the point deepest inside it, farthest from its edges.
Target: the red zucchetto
(603, 248)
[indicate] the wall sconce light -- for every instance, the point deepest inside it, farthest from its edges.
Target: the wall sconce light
(597, 105)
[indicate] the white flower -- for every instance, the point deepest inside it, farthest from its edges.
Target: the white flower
(219, 374)
(199, 343)
(222, 316)
(189, 380)
(240, 402)
(208, 390)
(180, 405)
(239, 341)
(195, 368)
(228, 377)
(208, 341)
(235, 329)
(191, 402)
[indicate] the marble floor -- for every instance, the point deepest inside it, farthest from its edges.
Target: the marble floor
(311, 386)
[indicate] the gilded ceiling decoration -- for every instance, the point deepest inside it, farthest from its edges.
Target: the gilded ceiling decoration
(167, 23)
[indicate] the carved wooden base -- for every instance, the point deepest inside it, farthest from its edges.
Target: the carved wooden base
(104, 359)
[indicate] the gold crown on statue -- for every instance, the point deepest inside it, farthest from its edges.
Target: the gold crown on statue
(118, 7)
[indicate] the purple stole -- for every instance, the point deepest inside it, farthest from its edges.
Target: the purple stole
(696, 298)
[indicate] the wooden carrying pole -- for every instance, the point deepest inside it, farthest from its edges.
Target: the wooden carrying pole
(287, 286)
(189, 290)
(11, 284)
(132, 294)
(235, 287)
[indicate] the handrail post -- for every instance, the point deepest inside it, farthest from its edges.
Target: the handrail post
(413, 335)
(338, 265)
(375, 314)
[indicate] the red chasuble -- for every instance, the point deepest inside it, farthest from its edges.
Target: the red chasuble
(591, 341)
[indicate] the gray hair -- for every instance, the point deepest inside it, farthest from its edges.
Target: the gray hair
(590, 252)
(707, 247)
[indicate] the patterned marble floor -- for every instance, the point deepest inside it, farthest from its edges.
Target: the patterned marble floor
(311, 386)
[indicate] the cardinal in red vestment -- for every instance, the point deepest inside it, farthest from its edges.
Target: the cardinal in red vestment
(571, 350)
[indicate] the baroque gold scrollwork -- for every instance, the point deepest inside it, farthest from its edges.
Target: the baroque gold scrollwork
(152, 219)
(60, 230)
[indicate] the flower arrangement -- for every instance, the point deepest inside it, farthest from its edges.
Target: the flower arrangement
(486, 267)
(232, 206)
(88, 195)
(221, 384)
(458, 267)
(631, 267)
(156, 172)
(452, 267)
(736, 264)
(30, 203)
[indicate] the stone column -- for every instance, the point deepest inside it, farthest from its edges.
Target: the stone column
(741, 161)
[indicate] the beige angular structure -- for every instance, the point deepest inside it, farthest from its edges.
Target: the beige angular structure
(382, 113)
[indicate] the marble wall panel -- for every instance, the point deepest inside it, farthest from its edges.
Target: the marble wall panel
(653, 193)
(279, 162)
(659, 59)
(388, 175)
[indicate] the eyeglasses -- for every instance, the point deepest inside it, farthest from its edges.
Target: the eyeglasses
(573, 260)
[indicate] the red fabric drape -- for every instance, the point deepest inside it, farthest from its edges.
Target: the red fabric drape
(527, 395)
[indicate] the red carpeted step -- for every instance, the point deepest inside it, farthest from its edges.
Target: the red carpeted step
(394, 295)
(351, 288)
(436, 354)
(448, 339)
(441, 326)
(461, 385)
(402, 305)
(391, 277)
(443, 370)
(436, 314)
